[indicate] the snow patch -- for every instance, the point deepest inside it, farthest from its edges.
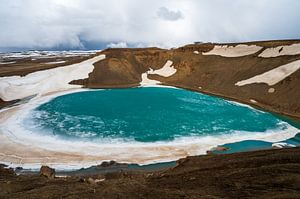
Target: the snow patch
(233, 51)
(55, 62)
(46, 81)
(293, 49)
(166, 71)
(273, 76)
(146, 81)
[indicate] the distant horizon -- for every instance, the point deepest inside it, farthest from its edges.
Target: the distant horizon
(106, 46)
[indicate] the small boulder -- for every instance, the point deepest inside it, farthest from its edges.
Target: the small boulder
(253, 101)
(91, 181)
(81, 179)
(271, 90)
(47, 172)
(216, 149)
(18, 168)
(221, 148)
(108, 164)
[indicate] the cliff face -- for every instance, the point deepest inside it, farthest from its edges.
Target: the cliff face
(212, 74)
(216, 72)
(124, 67)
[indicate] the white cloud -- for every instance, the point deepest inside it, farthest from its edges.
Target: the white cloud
(117, 45)
(169, 15)
(79, 23)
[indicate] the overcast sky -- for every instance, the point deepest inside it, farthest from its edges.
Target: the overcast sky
(75, 24)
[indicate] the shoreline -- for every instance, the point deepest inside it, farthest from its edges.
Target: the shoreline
(74, 160)
(194, 72)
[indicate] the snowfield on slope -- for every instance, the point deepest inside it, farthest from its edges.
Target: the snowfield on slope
(273, 76)
(293, 49)
(45, 81)
(233, 51)
(166, 71)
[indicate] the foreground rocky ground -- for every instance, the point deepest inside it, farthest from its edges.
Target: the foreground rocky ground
(260, 174)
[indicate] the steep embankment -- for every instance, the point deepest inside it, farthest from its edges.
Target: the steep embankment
(263, 74)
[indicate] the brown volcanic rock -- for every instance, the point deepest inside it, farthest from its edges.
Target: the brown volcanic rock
(47, 172)
(5, 103)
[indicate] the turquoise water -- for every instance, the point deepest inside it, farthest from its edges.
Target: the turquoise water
(146, 115)
(252, 145)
